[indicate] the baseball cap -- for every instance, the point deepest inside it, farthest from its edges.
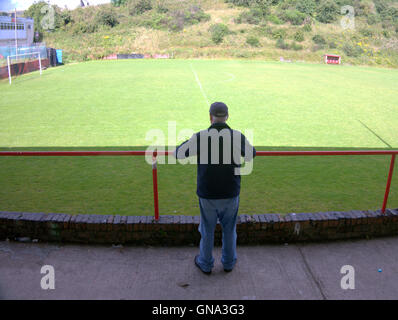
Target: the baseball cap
(218, 109)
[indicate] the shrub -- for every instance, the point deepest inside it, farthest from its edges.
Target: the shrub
(218, 32)
(262, 5)
(137, 7)
(332, 45)
(242, 3)
(363, 8)
(279, 33)
(106, 17)
(387, 24)
(299, 36)
(306, 6)
(265, 30)
(296, 46)
(157, 21)
(248, 3)
(366, 32)
(285, 4)
(327, 11)
(118, 3)
(386, 34)
(318, 39)
(175, 20)
(281, 44)
(66, 17)
(161, 8)
(307, 27)
(253, 16)
(273, 19)
(389, 13)
(142, 6)
(189, 16)
(295, 17)
(352, 51)
(372, 19)
(84, 27)
(253, 41)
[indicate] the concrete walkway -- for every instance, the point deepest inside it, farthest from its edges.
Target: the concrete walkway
(290, 271)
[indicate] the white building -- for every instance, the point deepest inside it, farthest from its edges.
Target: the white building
(25, 31)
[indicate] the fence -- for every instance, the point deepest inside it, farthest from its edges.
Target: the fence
(12, 51)
(154, 154)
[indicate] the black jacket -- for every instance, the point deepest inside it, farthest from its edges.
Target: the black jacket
(217, 178)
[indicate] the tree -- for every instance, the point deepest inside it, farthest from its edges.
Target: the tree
(41, 14)
(327, 11)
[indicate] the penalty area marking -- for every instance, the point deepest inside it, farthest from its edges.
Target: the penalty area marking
(199, 84)
(232, 77)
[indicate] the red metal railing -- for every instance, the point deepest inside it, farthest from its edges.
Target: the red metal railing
(154, 155)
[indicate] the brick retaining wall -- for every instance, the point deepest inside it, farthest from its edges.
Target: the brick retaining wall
(183, 230)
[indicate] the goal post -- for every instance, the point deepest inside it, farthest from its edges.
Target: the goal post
(26, 57)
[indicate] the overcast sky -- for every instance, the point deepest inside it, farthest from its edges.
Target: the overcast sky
(7, 5)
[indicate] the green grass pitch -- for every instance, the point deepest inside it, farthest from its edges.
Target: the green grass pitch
(111, 105)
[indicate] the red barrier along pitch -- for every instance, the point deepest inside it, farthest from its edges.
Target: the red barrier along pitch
(154, 155)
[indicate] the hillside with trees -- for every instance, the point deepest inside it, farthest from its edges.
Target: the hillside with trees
(257, 29)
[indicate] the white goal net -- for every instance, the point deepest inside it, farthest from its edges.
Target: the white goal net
(23, 63)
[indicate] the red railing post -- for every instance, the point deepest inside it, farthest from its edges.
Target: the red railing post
(383, 209)
(155, 185)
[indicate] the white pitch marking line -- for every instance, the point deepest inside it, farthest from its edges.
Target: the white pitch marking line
(199, 84)
(232, 77)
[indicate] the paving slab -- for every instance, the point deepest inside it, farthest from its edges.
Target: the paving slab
(289, 271)
(375, 264)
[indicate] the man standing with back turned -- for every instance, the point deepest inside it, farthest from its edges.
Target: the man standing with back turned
(219, 151)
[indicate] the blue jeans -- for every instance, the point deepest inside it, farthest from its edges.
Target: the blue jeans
(226, 210)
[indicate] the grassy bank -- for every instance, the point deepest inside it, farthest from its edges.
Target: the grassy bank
(187, 30)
